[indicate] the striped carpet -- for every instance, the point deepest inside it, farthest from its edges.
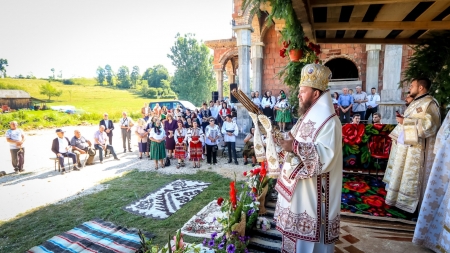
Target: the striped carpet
(93, 236)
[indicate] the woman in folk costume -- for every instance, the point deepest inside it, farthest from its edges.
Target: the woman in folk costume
(267, 106)
(142, 136)
(169, 126)
(158, 146)
(180, 144)
(283, 113)
(308, 208)
(212, 135)
(195, 139)
(433, 225)
(223, 112)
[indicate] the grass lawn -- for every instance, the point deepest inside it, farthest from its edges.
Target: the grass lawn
(93, 100)
(33, 228)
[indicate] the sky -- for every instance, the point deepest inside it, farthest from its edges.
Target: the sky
(78, 36)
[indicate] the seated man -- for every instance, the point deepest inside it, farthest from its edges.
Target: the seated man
(82, 146)
(61, 147)
(376, 118)
(100, 143)
(356, 119)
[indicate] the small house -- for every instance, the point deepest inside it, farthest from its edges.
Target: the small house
(16, 99)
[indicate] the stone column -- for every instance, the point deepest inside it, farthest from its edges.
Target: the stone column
(373, 65)
(257, 53)
(231, 76)
(243, 40)
(219, 79)
(391, 93)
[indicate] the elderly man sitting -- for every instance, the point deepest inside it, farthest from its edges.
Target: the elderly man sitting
(82, 146)
(61, 147)
(100, 143)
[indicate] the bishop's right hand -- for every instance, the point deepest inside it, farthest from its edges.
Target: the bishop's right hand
(286, 144)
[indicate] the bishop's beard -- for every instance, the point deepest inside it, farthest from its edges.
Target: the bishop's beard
(304, 107)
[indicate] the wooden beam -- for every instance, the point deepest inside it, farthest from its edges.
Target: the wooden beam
(385, 25)
(304, 15)
(369, 41)
(328, 3)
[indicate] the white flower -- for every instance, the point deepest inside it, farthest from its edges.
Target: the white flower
(444, 67)
(437, 91)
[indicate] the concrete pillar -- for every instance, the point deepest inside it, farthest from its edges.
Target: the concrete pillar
(391, 93)
(219, 79)
(231, 76)
(373, 65)
(243, 44)
(257, 52)
(243, 40)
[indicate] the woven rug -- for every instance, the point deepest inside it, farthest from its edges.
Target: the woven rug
(167, 200)
(204, 223)
(365, 195)
(93, 236)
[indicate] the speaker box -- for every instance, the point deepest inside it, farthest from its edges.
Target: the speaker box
(215, 96)
(232, 98)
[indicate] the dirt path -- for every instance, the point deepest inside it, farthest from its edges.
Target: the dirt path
(41, 185)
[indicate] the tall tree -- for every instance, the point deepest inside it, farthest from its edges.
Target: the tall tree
(123, 77)
(135, 76)
(3, 65)
(100, 75)
(156, 75)
(53, 71)
(49, 91)
(193, 79)
(109, 75)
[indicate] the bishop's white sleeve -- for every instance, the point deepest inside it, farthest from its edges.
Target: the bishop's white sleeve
(320, 156)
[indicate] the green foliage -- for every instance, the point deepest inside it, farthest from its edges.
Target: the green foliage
(123, 77)
(3, 65)
(68, 82)
(135, 76)
(100, 75)
(7, 86)
(109, 75)
(193, 79)
(49, 91)
(156, 75)
(431, 59)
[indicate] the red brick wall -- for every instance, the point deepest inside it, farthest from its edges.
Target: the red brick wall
(273, 63)
(407, 52)
(353, 52)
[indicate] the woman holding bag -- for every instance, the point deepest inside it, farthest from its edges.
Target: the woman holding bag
(212, 135)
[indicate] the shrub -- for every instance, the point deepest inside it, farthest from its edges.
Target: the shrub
(68, 82)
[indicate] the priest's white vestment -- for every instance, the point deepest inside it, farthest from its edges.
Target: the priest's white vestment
(433, 225)
(310, 184)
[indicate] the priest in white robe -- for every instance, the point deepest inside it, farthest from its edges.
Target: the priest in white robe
(411, 155)
(433, 225)
(309, 186)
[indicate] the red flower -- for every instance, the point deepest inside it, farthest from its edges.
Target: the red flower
(254, 190)
(380, 144)
(263, 172)
(251, 171)
(245, 173)
(311, 45)
(352, 133)
(233, 194)
(378, 127)
(283, 52)
(219, 201)
(306, 39)
(374, 200)
(256, 171)
(317, 61)
(382, 191)
(356, 186)
(286, 44)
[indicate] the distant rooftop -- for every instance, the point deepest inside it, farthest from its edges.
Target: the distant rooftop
(14, 94)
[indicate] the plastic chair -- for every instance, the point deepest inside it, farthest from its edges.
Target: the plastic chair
(379, 147)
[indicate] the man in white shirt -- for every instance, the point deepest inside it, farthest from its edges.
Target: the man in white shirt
(61, 147)
(372, 103)
(230, 131)
(255, 98)
(15, 138)
(125, 126)
(214, 110)
(101, 145)
(359, 102)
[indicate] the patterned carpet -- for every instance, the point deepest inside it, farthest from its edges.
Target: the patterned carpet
(167, 200)
(204, 223)
(93, 236)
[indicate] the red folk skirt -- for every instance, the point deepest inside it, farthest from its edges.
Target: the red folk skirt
(180, 149)
(195, 150)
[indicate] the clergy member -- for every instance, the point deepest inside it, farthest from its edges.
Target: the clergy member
(309, 187)
(411, 156)
(433, 226)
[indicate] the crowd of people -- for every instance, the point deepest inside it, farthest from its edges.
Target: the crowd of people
(348, 104)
